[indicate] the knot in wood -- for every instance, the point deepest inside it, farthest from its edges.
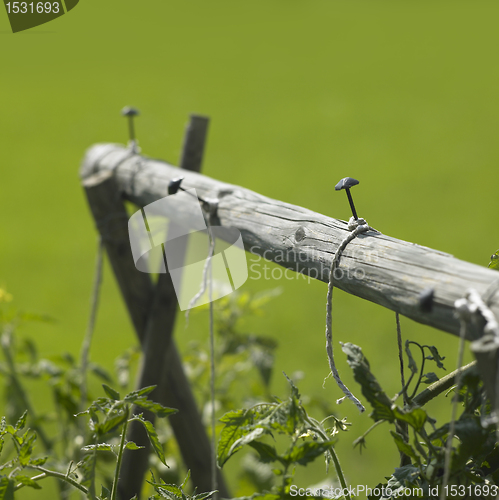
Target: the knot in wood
(300, 234)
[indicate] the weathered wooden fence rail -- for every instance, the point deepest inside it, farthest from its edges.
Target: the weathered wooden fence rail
(376, 267)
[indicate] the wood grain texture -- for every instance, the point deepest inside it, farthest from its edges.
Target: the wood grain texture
(374, 266)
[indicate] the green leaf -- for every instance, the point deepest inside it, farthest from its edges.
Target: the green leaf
(164, 489)
(106, 406)
(473, 437)
(26, 450)
(415, 417)
(404, 447)
(105, 493)
(110, 423)
(247, 438)
(22, 421)
(98, 447)
(234, 429)
(378, 488)
(27, 481)
(156, 408)
(38, 461)
(202, 496)
(380, 402)
(153, 437)
(10, 430)
(187, 477)
(429, 378)
(132, 396)
(6, 488)
(94, 419)
(86, 468)
(266, 452)
(286, 417)
(111, 392)
(413, 367)
(404, 476)
(294, 390)
(435, 356)
(130, 445)
(308, 451)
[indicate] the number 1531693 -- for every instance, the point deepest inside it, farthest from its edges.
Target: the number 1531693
(33, 7)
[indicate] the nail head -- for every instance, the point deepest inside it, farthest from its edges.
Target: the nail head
(129, 111)
(174, 185)
(425, 300)
(346, 183)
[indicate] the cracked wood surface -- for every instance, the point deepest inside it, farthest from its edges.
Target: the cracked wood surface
(374, 266)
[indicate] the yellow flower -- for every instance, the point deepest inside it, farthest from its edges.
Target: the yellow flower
(4, 296)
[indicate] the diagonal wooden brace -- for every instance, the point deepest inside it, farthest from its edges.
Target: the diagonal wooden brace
(152, 310)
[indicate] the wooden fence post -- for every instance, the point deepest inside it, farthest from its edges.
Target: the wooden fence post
(152, 310)
(158, 336)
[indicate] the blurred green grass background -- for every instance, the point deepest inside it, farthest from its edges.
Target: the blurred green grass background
(400, 95)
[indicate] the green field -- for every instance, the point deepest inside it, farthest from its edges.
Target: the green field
(400, 95)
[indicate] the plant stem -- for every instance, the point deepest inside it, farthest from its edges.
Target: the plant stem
(455, 399)
(51, 473)
(339, 472)
(85, 347)
(120, 456)
(360, 438)
(445, 383)
(401, 358)
(336, 460)
(214, 479)
(421, 371)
